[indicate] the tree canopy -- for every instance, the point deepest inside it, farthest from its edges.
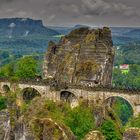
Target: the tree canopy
(25, 67)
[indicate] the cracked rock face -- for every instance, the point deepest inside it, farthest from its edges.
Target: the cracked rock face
(132, 134)
(83, 57)
(53, 131)
(4, 124)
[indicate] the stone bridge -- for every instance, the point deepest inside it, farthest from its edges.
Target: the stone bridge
(72, 94)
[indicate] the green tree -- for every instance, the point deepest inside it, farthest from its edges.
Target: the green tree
(134, 122)
(80, 120)
(7, 70)
(132, 79)
(122, 109)
(26, 68)
(3, 103)
(136, 82)
(109, 130)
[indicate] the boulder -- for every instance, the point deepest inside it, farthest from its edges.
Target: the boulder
(94, 135)
(48, 129)
(132, 134)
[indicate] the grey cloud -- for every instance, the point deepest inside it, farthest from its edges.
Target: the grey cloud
(102, 7)
(68, 12)
(5, 1)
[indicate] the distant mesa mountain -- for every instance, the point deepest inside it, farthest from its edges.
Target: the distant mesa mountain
(60, 30)
(119, 31)
(80, 26)
(133, 32)
(15, 27)
(23, 36)
(125, 35)
(126, 31)
(66, 30)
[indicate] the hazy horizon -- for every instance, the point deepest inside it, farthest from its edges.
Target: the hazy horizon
(72, 25)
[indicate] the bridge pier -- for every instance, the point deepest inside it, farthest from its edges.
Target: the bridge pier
(137, 110)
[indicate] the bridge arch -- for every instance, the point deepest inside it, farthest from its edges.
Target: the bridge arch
(123, 97)
(70, 97)
(5, 88)
(29, 93)
(124, 116)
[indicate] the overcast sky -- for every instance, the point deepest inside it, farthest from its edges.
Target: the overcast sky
(71, 12)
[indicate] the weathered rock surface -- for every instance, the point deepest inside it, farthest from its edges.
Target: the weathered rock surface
(4, 124)
(98, 116)
(21, 131)
(47, 129)
(94, 135)
(42, 129)
(36, 124)
(84, 57)
(132, 134)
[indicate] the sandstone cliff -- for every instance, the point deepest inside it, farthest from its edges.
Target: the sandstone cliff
(83, 57)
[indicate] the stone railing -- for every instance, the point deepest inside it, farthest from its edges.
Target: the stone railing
(27, 81)
(103, 88)
(58, 86)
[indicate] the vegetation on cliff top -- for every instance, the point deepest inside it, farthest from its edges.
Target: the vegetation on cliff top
(110, 130)
(80, 119)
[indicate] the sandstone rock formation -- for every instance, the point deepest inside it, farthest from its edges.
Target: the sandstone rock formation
(4, 123)
(132, 134)
(37, 124)
(47, 129)
(94, 135)
(83, 57)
